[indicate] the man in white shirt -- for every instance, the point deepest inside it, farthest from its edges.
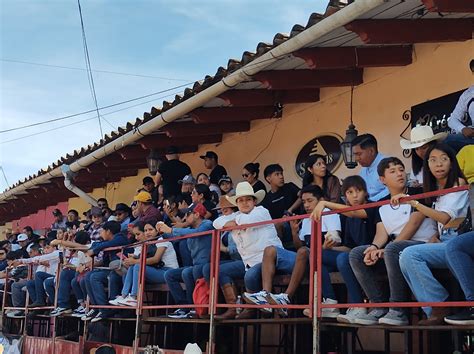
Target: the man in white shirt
(397, 227)
(251, 242)
(461, 122)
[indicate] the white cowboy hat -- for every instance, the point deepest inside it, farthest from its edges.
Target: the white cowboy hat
(192, 348)
(244, 189)
(421, 135)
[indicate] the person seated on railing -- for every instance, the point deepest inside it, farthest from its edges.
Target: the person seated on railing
(359, 230)
(460, 257)
(251, 242)
(19, 273)
(282, 199)
(230, 267)
(421, 139)
(160, 257)
(68, 278)
(97, 279)
(199, 248)
(449, 210)
(316, 173)
(36, 287)
(274, 257)
(396, 229)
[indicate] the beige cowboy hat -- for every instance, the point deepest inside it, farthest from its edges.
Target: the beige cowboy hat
(421, 135)
(245, 189)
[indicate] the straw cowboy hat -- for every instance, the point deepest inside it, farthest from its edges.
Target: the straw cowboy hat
(223, 203)
(244, 189)
(421, 135)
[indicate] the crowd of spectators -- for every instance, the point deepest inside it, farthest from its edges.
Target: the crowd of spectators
(400, 242)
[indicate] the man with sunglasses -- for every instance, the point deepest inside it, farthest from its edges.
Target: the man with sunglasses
(3, 259)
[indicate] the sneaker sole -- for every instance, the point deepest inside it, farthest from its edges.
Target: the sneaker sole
(78, 315)
(365, 322)
(344, 319)
(389, 322)
(251, 302)
(281, 312)
(95, 319)
(60, 313)
(330, 315)
(459, 322)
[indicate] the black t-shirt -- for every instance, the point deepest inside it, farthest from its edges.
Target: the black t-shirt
(171, 172)
(358, 232)
(278, 202)
(210, 207)
(216, 174)
(259, 186)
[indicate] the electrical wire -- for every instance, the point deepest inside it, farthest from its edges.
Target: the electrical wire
(97, 71)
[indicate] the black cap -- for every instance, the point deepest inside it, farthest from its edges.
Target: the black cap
(209, 155)
(122, 207)
(170, 150)
(148, 180)
(57, 212)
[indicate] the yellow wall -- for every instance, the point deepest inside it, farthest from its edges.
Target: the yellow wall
(437, 69)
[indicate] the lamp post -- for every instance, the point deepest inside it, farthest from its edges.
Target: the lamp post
(346, 145)
(153, 162)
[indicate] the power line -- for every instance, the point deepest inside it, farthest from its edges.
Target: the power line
(82, 121)
(4, 175)
(97, 71)
(100, 108)
(90, 77)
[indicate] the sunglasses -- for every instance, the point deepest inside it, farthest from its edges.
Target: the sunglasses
(245, 175)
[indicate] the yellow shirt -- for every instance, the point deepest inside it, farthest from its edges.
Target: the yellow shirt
(465, 159)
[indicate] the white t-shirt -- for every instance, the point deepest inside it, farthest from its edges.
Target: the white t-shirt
(453, 204)
(169, 257)
(328, 223)
(395, 219)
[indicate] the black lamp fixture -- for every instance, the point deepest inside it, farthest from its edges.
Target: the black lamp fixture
(153, 162)
(346, 145)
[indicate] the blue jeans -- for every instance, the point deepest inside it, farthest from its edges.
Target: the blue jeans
(152, 275)
(188, 275)
(115, 284)
(36, 287)
(458, 141)
(337, 261)
(96, 281)
(18, 295)
(416, 263)
(367, 275)
(228, 271)
(64, 289)
(284, 264)
(79, 288)
(460, 257)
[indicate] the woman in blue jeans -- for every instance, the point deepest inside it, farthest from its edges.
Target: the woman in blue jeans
(359, 230)
(159, 258)
(441, 171)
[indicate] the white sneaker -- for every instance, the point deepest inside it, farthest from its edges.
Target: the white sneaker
(279, 299)
(372, 317)
(329, 312)
(351, 314)
(117, 300)
(128, 301)
(259, 298)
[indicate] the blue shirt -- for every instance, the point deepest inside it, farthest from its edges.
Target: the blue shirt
(124, 224)
(118, 240)
(200, 247)
(377, 190)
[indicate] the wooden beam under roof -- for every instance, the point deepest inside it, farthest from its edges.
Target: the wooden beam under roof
(188, 129)
(262, 97)
(162, 141)
(224, 115)
(355, 57)
(396, 31)
(304, 79)
(463, 6)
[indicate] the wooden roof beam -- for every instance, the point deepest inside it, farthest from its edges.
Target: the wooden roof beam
(355, 57)
(162, 141)
(259, 97)
(132, 152)
(186, 129)
(304, 79)
(449, 5)
(231, 114)
(412, 31)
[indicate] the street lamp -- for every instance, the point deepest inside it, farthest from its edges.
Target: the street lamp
(153, 162)
(346, 145)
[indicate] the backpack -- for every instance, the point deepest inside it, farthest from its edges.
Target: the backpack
(201, 296)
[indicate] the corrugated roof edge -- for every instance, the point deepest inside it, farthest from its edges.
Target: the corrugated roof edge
(232, 65)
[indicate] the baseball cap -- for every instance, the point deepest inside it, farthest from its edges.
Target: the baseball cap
(57, 212)
(188, 179)
(122, 207)
(209, 155)
(96, 211)
(195, 208)
(224, 178)
(171, 150)
(143, 197)
(22, 237)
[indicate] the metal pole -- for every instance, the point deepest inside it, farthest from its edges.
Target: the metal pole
(140, 295)
(55, 303)
(316, 328)
(213, 289)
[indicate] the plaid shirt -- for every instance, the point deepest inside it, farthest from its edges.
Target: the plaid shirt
(94, 233)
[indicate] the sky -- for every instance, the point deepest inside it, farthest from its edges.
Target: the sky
(163, 44)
